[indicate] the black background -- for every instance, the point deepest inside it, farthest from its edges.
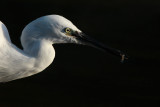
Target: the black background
(81, 76)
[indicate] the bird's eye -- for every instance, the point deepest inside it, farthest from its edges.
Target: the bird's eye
(68, 30)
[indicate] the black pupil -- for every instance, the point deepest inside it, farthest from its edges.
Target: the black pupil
(68, 30)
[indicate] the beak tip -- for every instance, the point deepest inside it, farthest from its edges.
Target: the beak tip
(123, 57)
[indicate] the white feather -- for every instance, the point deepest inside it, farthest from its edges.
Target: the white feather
(38, 53)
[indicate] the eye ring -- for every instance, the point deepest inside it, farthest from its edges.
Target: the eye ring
(68, 30)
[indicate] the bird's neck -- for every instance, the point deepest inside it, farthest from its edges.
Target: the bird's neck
(43, 52)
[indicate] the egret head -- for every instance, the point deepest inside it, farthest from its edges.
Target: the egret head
(56, 29)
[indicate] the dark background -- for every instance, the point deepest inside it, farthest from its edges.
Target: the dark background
(81, 76)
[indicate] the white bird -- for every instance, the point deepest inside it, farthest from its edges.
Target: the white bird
(38, 53)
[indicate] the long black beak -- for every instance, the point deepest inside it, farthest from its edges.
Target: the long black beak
(84, 39)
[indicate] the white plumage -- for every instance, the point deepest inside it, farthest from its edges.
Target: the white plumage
(37, 39)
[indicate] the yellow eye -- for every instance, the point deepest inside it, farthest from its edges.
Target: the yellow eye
(68, 30)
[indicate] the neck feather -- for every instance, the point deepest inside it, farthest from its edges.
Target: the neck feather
(42, 51)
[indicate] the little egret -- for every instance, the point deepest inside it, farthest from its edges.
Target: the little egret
(38, 53)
